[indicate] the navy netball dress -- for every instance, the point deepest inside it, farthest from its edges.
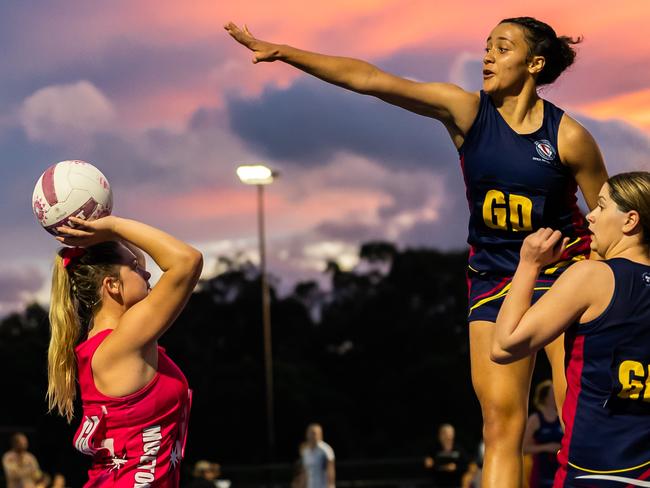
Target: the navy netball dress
(515, 184)
(607, 408)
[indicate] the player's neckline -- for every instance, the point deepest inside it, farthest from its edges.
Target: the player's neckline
(524, 134)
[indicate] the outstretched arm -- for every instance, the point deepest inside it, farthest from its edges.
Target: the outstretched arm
(448, 103)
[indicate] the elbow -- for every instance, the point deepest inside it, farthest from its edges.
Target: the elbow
(196, 261)
(192, 261)
(196, 256)
(499, 355)
(368, 83)
(195, 265)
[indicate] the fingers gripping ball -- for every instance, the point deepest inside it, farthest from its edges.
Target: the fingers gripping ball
(71, 189)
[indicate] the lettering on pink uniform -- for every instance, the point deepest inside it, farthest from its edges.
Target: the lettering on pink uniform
(144, 476)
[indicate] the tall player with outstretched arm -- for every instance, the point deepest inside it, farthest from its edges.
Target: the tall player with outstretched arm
(523, 160)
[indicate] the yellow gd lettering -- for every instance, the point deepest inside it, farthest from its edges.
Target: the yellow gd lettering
(521, 210)
(494, 210)
(630, 375)
(507, 212)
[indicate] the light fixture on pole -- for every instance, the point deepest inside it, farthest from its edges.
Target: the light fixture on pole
(260, 175)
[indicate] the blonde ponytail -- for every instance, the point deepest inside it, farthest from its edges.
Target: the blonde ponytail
(65, 330)
(75, 299)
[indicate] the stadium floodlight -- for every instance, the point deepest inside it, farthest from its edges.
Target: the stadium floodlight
(256, 174)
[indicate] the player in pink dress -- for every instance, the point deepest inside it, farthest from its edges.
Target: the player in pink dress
(136, 401)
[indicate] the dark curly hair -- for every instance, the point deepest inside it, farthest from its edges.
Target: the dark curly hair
(543, 41)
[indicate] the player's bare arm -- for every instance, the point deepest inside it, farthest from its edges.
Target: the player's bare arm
(581, 154)
(452, 105)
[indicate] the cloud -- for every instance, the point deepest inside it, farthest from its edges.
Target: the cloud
(349, 231)
(624, 147)
(408, 197)
(310, 122)
(635, 105)
(66, 112)
(466, 71)
(17, 286)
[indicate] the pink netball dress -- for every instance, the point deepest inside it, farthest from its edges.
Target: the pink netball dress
(137, 440)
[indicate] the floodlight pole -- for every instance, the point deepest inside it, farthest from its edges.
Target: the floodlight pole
(266, 323)
(260, 175)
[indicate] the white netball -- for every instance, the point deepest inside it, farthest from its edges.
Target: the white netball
(71, 189)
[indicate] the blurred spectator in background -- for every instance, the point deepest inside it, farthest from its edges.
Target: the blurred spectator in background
(448, 462)
(472, 477)
(44, 480)
(58, 481)
(317, 461)
(206, 475)
(20, 466)
(542, 437)
(298, 474)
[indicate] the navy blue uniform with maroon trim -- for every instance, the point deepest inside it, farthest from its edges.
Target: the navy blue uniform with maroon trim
(515, 184)
(607, 408)
(545, 463)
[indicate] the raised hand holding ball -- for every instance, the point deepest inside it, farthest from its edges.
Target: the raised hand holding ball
(71, 189)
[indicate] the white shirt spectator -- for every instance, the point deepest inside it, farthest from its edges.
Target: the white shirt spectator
(21, 469)
(314, 462)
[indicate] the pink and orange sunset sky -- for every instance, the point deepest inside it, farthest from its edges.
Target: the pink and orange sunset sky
(166, 104)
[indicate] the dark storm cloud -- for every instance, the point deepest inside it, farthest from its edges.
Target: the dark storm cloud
(310, 122)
